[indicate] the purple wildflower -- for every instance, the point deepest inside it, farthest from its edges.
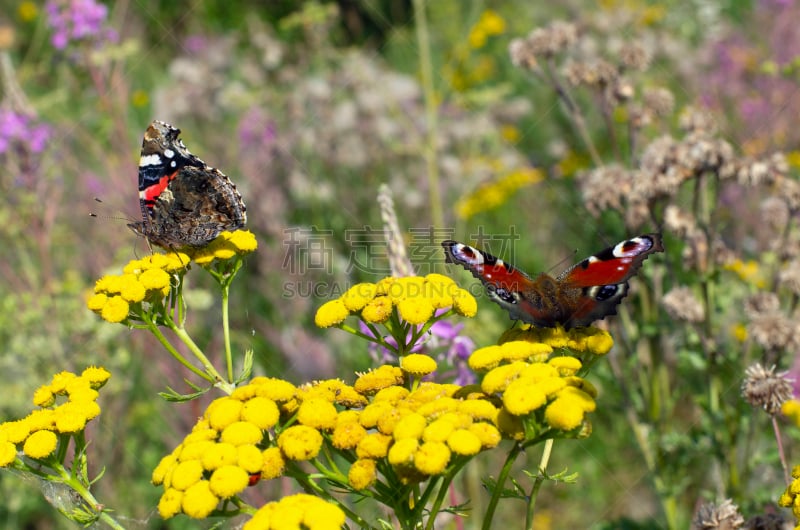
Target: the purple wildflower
(77, 20)
(444, 342)
(19, 131)
(256, 130)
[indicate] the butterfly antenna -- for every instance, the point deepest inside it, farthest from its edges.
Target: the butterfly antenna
(562, 261)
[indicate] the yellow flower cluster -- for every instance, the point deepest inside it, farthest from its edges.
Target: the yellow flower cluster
(579, 341)
(146, 279)
(490, 23)
(225, 246)
(217, 459)
(748, 271)
(790, 497)
(297, 511)
(37, 433)
(527, 380)
(150, 279)
(414, 298)
(491, 195)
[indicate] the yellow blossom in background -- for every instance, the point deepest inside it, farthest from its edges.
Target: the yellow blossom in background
(27, 11)
(493, 195)
(748, 271)
(139, 98)
(791, 409)
(490, 23)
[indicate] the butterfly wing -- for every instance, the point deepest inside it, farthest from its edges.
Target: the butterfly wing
(506, 285)
(593, 288)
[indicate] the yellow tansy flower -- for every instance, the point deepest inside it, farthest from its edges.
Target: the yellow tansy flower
(249, 458)
(70, 418)
(227, 481)
(8, 453)
(218, 455)
(186, 474)
(241, 433)
(438, 431)
(464, 303)
(15, 431)
(243, 240)
(154, 279)
(478, 409)
(195, 449)
(486, 433)
(97, 301)
(378, 310)
(565, 365)
(431, 458)
(96, 375)
(402, 452)
(167, 464)
(199, 501)
(464, 442)
(274, 463)
(523, 396)
(411, 426)
(415, 310)
(261, 412)
(43, 396)
(357, 296)
(317, 413)
(273, 388)
(115, 310)
(347, 435)
(521, 350)
(510, 425)
(362, 474)
(382, 377)
(300, 442)
(375, 445)
(40, 444)
(564, 413)
(223, 412)
(485, 359)
(132, 290)
(417, 364)
(331, 313)
(498, 379)
(170, 503)
(392, 394)
(41, 419)
(108, 284)
(599, 342)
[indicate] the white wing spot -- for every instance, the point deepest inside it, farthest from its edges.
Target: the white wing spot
(169, 153)
(149, 160)
(173, 164)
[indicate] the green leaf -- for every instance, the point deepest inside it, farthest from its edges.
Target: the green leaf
(176, 397)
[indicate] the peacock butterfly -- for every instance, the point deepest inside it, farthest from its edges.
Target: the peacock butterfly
(587, 291)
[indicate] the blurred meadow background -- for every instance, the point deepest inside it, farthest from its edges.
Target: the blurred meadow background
(534, 128)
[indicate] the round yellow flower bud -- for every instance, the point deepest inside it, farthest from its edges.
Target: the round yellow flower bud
(417, 364)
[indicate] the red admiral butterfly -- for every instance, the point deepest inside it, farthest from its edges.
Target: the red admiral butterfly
(587, 291)
(184, 201)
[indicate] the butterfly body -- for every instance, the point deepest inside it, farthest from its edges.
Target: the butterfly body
(589, 290)
(184, 201)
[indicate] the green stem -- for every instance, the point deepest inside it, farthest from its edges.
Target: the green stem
(72, 482)
(498, 487)
(201, 357)
(431, 118)
(226, 331)
(172, 351)
(548, 449)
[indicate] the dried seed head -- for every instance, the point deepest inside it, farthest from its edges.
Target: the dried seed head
(762, 387)
(681, 304)
(726, 516)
